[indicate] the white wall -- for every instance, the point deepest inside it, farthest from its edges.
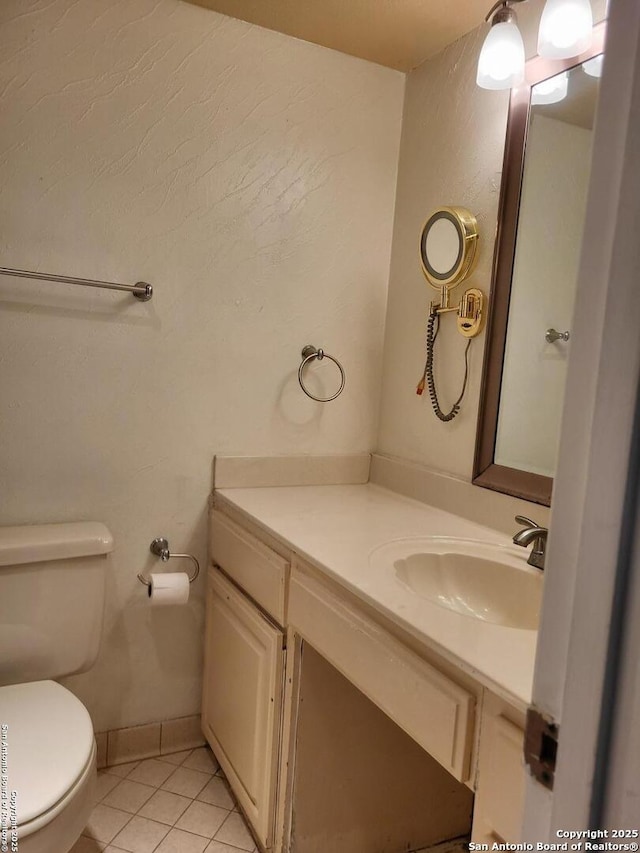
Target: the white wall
(451, 154)
(545, 276)
(251, 178)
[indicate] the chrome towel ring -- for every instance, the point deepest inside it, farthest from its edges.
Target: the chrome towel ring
(309, 353)
(160, 547)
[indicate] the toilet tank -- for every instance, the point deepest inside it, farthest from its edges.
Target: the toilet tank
(52, 582)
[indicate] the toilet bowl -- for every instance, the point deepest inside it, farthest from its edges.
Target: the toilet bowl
(50, 758)
(51, 609)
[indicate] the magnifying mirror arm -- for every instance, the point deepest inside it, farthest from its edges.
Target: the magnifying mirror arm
(444, 304)
(436, 308)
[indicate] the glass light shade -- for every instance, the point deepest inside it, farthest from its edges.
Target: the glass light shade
(593, 67)
(501, 63)
(551, 91)
(565, 28)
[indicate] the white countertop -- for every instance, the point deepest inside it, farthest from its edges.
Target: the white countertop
(335, 528)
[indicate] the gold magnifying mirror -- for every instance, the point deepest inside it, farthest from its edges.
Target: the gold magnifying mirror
(448, 244)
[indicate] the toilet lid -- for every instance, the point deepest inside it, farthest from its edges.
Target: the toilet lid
(47, 743)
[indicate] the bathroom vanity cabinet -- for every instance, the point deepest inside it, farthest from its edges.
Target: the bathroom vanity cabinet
(291, 657)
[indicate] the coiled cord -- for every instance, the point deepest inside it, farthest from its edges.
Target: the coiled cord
(433, 326)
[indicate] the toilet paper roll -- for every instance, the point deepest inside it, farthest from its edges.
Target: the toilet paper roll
(168, 588)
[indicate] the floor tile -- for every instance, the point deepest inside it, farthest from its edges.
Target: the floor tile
(122, 770)
(457, 845)
(186, 782)
(105, 823)
(129, 796)
(202, 759)
(216, 793)
(234, 832)
(177, 757)
(203, 819)
(165, 807)
(140, 835)
(183, 842)
(88, 845)
(219, 847)
(152, 771)
(105, 783)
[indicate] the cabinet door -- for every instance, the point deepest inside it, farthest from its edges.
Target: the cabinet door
(499, 806)
(242, 699)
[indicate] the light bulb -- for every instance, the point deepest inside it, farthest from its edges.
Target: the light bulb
(501, 63)
(565, 28)
(551, 91)
(593, 67)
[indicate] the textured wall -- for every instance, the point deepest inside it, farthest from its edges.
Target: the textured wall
(451, 153)
(251, 178)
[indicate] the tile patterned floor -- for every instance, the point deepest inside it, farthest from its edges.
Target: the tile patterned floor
(176, 803)
(456, 845)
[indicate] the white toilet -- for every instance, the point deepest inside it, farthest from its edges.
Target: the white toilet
(52, 579)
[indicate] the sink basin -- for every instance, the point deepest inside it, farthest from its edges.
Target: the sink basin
(477, 579)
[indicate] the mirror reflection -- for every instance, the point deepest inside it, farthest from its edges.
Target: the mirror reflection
(545, 271)
(442, 246)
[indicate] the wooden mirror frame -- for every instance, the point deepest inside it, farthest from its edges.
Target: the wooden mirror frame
(486, 473)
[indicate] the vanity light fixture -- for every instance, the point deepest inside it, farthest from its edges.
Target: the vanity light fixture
(501, 63)
(551, 91)
(593, 67)
(565, 28)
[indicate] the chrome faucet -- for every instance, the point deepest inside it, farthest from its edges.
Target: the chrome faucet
(532, 533)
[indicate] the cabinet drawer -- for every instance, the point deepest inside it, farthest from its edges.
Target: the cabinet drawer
(257, 569)
(435, 711)
(501, 776)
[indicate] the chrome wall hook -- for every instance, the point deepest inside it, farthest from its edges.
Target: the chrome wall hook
(159, 547)
(551, 335)
(310, 353)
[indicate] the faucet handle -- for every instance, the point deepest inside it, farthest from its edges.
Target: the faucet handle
(527, 522)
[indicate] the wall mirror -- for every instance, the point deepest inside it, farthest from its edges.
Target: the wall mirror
(542, 209)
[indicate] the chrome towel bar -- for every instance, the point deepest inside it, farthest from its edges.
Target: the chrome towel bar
(141, 290)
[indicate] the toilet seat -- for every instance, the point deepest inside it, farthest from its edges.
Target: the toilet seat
(56, 820)
(50, 749)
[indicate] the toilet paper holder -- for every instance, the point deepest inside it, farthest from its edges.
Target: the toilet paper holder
(160, 548)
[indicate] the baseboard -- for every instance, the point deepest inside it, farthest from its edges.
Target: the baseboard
(120, 746)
